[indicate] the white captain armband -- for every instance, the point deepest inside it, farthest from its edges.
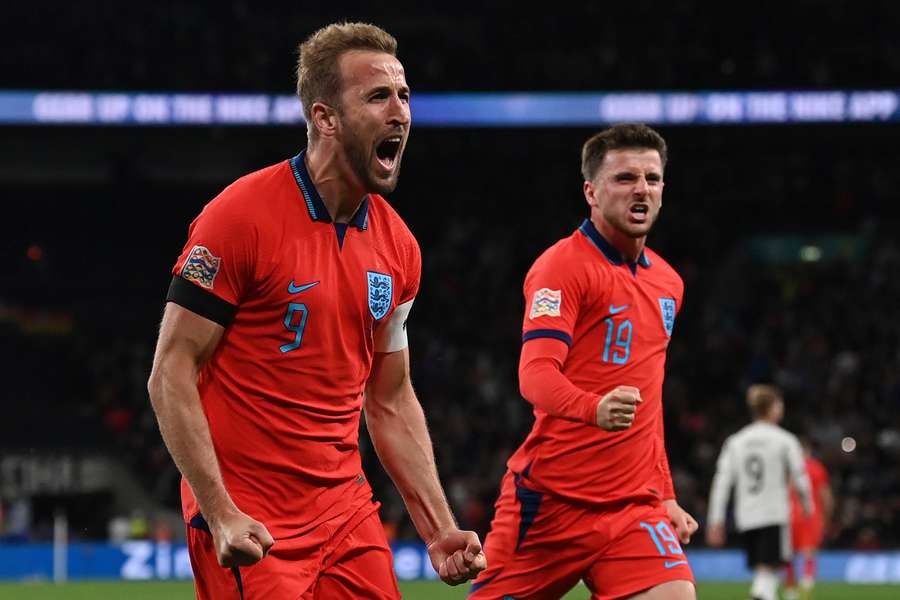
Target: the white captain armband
(391, 336)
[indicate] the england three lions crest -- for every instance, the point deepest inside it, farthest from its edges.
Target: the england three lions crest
(381, 293)
(667, 307)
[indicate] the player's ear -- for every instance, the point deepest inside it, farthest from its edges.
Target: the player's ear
(590, 193)
(324, 119)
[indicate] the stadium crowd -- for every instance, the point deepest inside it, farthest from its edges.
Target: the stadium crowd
(243, 46)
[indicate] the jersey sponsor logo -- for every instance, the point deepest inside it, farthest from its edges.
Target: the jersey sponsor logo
(674, 563)
(667, 307)
(546, 303)
(614, 310)
(201, 266)
(296, 289)
(381, 292)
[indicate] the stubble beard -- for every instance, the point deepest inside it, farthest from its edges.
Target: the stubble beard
(629, 229)
(358, 158)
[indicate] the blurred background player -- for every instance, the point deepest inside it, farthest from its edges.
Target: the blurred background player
(808, 531)
(757, 461)
(589, 495)
(288, 308)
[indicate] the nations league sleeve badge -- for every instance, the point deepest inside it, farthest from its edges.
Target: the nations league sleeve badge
(201, 267)
(546, 303)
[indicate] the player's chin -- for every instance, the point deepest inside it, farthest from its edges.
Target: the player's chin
(384, 183)
(636, 230)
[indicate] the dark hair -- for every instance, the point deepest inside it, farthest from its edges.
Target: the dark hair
(619, 137)
(318, 75)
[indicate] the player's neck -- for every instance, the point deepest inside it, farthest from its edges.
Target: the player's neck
(335, 182)
(630, 248)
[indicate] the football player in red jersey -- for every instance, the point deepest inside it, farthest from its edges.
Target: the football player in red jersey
(589, 495)
(286, 317)
(808, 531)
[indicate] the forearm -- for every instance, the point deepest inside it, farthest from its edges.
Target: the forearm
(827, 501)
(400, 436)
(185, 431)
(718, 499)
(543, 384)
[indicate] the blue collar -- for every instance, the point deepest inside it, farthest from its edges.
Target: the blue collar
(314, 204)
(608, 250)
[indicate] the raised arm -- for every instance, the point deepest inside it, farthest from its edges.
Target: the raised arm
(186, 342)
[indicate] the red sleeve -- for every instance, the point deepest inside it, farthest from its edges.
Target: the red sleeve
(413, 271)
(554, 291)
(818, 474)
(220, 253)
(542, 382)
(668, 486)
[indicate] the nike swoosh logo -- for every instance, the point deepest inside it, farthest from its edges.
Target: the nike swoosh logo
(614, 310)
(674, 563)
(296, 289)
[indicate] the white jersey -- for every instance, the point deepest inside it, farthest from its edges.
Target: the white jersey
(758, 461)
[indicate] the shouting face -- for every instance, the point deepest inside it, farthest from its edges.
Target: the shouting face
(626, 192)
(374, 117)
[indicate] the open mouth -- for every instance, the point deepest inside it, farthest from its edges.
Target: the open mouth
(639, 212)
(386, 152)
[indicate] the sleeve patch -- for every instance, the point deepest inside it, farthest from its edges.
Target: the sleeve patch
(201, 267)
(546, 303)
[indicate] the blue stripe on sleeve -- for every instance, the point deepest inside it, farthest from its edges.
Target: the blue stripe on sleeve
(548, 333)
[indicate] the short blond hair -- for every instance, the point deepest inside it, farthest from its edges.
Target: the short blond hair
(761, 397)
(318, 71)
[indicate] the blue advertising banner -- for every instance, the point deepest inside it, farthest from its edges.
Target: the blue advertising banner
(142, 560)
(533, 109)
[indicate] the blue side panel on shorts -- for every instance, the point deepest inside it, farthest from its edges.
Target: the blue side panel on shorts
(237, 579)
(529, 503)
(481, 584)
(198, 522)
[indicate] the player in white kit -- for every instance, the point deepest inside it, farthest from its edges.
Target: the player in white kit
(758, 461)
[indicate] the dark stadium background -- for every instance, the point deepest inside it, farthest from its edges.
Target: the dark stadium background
(93, 219)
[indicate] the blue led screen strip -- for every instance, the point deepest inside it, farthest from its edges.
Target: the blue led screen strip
(539, 109)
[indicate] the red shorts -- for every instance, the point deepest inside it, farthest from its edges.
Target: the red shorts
(807, 533)
(353, 561)
(539, 546)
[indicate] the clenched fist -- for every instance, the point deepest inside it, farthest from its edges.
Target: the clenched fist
(240, 540)
(456, 555)
(616, 410)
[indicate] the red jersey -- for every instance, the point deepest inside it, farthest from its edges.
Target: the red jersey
(301, 298)
(818, 479)
(616, 319)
